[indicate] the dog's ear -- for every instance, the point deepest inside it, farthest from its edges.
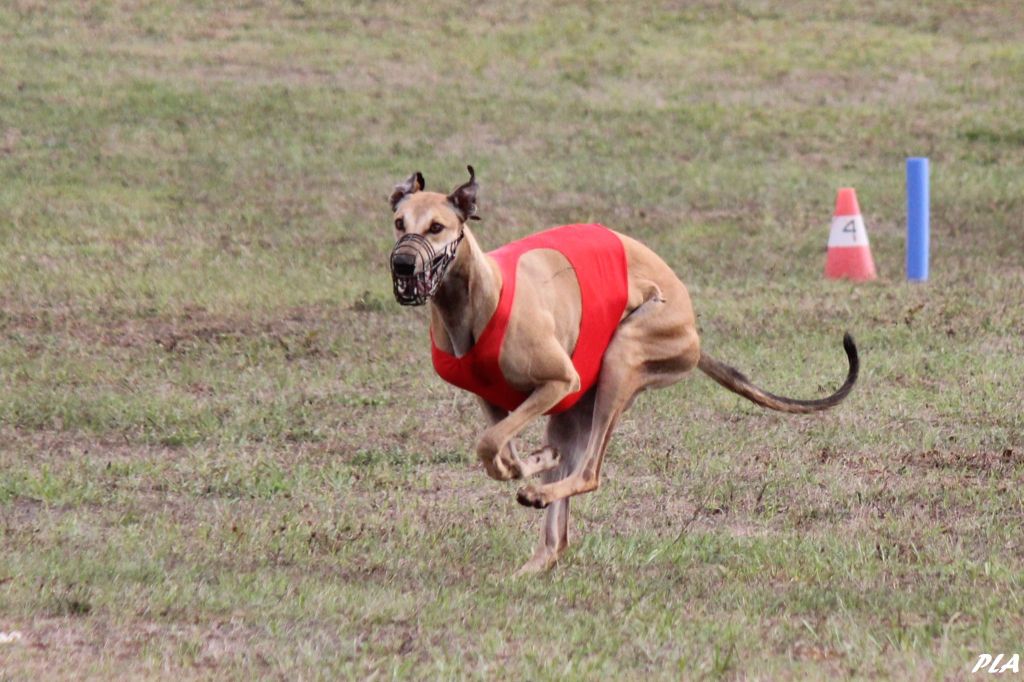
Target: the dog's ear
(463, 199)
(414, 183)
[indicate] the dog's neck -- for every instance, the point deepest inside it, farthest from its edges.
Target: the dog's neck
(467, 298)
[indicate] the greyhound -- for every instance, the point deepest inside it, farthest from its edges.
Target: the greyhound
(548, 296)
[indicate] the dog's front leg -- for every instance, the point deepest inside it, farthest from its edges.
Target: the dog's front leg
(507, 460)
(500, 462)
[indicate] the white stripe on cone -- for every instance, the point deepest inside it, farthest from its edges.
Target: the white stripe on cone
(847, 230)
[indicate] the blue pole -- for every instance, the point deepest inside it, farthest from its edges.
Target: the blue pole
(917, 219)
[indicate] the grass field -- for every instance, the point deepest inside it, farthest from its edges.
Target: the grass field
(224, 453)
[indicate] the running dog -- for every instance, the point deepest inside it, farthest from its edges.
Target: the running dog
(572, 322)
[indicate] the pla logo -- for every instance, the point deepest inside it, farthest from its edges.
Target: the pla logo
(9, 638)
(996, 665)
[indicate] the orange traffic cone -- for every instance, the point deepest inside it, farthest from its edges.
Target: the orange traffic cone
(849, 254)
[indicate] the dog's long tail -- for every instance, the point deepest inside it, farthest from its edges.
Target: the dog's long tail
(735, 381)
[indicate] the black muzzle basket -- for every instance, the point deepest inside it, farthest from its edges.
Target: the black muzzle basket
(417, 270)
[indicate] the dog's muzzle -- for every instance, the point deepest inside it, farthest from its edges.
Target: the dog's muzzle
(413, 286)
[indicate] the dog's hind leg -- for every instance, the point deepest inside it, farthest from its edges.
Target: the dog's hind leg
(654, 346)
(554, 538)
(569, 434)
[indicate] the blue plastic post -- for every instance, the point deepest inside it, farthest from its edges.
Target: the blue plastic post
(917, 219)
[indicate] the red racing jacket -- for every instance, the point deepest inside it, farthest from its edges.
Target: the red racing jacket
(599, 260)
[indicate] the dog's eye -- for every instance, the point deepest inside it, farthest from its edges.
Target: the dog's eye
(400, 225)
(436, 228)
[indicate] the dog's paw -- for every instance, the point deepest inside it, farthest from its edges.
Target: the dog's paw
(536, 565)
(542, 460)
(547, 455)
(501, 470)
(531, 496)
(487, 448)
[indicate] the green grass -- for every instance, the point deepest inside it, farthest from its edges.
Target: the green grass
(224, 454)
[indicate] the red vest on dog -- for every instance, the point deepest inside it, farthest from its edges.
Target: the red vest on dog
(599, 260)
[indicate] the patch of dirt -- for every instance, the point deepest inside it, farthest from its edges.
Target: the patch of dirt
(293, 329)
(9, 141)
(46, 444)
(976, 461)
(170, 646)
(808, 651)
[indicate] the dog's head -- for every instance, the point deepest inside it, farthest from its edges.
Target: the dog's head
(428, 231)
